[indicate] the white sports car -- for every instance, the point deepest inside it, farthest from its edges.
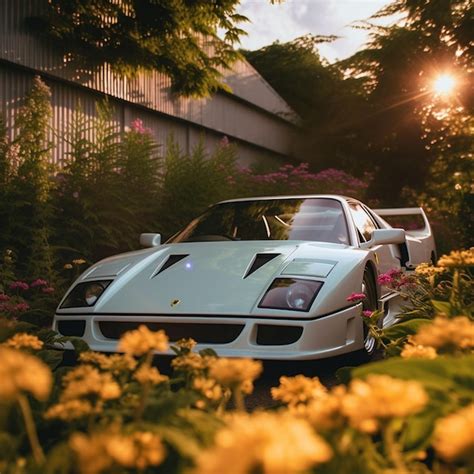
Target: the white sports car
(266, 278)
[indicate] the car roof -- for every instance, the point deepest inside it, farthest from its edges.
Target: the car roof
(337, 197)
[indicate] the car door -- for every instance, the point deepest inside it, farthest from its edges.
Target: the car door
(387, 256)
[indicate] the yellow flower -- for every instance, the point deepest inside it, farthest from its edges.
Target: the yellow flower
(67, 266)
(457, 259)
(79, 261)
(71, 410)
(149, 449)
(298, 390)
(149, 375)
(100, 451)
(115, 363)
(188, 344)
(86, 380)
(23, 372)
(192, 362)
(411, 351)
(381, 397)
(453, 437)
(142, 340)
(269, 443)
(236, 373)
(209, 388)
(22, 340)
(444, 332)
(325, 412)
(427, 270)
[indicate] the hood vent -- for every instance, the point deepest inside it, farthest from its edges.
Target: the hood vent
(172, 259)
(259, 261)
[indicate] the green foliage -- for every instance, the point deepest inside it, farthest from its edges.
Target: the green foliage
(28, 184)
(192, 182)
(319, 93)
(108, 190)
(377, 111)
(177, 38)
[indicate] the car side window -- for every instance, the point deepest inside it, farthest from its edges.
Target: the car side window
(364, 224)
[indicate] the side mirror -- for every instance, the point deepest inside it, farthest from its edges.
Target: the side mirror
(384, 237)
(150, 240)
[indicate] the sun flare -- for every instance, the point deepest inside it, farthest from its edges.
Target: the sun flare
(444, 84)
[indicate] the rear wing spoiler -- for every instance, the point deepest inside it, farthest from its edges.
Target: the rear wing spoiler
(402, 212)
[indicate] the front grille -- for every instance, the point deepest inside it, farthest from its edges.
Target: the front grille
(269, 335)
(201, 333)
(72, 328)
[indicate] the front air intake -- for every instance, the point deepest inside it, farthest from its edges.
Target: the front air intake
(170, 261)
(259, 261)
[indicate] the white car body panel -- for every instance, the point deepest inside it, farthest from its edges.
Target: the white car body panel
(420, 242)
(209, 288)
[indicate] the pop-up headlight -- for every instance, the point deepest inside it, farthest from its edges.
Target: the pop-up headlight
(291, 293)
(85, 294)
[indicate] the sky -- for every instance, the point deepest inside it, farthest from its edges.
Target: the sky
(295, 18)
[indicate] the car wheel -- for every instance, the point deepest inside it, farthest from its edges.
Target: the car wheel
(368, 304)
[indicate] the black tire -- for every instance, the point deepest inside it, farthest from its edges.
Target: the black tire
(369, 288)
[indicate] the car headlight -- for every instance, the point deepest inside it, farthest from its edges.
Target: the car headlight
(85, 294)
(291, 293)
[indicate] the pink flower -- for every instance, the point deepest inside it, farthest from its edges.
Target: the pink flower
(367, 313)
(20, 285)
(138, 127)
(4, 297)
(356, 297)
(384, 279)
(20, 307)
(224, 142)
(405, 281)
(394, 272)
(38, 282)
(48, 290)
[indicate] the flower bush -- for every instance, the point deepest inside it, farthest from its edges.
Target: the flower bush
(438, 311)
(119, 413)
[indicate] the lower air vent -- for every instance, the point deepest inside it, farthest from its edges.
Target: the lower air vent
(201, 333)
(268, 335)
(71, 328)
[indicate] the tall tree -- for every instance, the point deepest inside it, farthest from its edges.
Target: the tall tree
(400, 65)
(327, 103)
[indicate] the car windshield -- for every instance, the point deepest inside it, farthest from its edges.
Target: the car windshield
(313, 219)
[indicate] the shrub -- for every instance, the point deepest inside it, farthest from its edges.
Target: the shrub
(28, 182)
(192, 182)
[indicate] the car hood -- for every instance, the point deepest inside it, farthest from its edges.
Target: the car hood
(210, 278)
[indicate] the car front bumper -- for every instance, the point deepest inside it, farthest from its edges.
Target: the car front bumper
(335, 334)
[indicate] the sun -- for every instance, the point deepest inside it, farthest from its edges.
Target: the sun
(444, 84)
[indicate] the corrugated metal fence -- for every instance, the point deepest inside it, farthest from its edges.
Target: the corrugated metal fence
(254, 115)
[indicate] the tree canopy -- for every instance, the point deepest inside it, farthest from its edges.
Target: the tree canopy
(176, 37)
(377, 111)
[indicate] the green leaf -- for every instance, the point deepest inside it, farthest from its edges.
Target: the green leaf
(79, 344)
(208, 352)
(52, 358)
(441, 374)
(442, 307)
(404, 329)
(417, 432)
